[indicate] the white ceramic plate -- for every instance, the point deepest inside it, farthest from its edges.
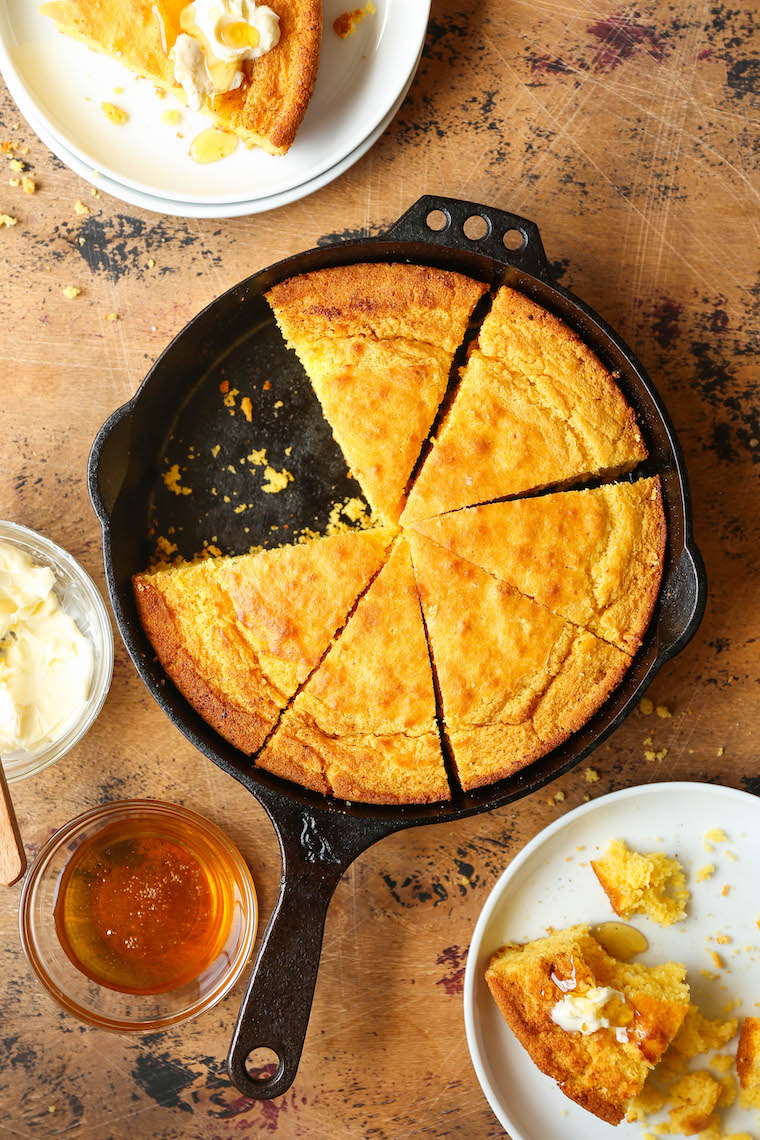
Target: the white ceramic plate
(63, 83)
(545, 885)
(187, 210)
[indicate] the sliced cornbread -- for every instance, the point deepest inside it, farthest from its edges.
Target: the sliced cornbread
(238, 635)
(652, 884)
(748, 1063)
(535, 408)
(377, 342)
(366, 717)
(592, 556)
(515, 679)
(624, 1015)
(266, 111)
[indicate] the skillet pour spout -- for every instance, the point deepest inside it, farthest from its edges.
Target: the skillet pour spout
(320, 837)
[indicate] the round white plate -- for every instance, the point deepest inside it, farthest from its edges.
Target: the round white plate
(186, 210)
(64, 83)
(546, 885)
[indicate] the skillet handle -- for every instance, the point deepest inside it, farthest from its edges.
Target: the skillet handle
(529, 256)
(276, 1007)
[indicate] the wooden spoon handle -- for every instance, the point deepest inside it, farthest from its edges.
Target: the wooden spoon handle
(12, 854)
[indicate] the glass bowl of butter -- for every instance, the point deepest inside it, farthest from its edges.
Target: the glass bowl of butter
(56, 651)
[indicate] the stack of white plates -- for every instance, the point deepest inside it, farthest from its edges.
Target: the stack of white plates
(59, 86)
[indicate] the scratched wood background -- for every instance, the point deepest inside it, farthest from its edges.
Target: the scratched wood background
(630, 134)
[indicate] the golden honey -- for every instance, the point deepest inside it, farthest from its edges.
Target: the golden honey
(240, 35)
(142, 909)
(620, 940)
(212, 144)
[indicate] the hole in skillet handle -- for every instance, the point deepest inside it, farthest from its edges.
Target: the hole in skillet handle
(474, 228)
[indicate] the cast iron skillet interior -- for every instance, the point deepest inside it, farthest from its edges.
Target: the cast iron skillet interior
(179, 415)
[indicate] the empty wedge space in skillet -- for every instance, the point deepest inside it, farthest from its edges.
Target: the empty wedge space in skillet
(535, 408)
(237, 636)
(265, 111)
(515, 679)
(594, 556)
(368, 714)
(377, 342)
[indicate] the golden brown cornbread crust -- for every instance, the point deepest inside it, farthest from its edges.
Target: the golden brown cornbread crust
(515, 679)
(245, 729)
(596, 1071)
(617, 534)
(376, 299)
(748, 1062)
(266, 111)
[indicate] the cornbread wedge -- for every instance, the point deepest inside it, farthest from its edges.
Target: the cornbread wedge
(592, 556)
(367, 715)
(266, 111)
(634, 1013)
(748, 1063)
(238, 635)
(377, 342)
(535, 409)
(515, 679)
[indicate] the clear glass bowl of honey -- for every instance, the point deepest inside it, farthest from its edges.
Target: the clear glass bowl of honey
(138, 915)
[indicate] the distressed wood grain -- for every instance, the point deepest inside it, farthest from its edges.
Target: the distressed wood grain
(630, 134)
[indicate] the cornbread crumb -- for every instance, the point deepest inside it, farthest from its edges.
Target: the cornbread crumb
(347, 23)
(81, 208)
(17, 165)
(717, 960)
(29, 185)
(215, 450)
(114, 113)
(275, 481)
(591, 775)
(652, 884)
(730, 855)
(173, 118)
(112, 316)
(164, 549)
(246, 407)
(650, 1100)
(71, 291)
(94, 193)
(725, 891)
(720, 751)
(723, 940)
(722, 1062)
(172, 480)
(705, 872)
(716, 835)
(6, 221)
(258, 458)
(663, 712)
(646, 706)
(700, 1034)
(355, 510)
(559, 797)
(694, 1097)
(151, 263)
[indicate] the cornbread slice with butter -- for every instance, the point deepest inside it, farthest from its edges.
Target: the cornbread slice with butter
(377, 342)
(515, 679)
(626, 1015)
(535, 408)
(237, 636)
(594, 557)
(265, 111)
(367, 715)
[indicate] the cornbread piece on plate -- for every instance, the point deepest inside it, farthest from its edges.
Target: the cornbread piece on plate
(700, 1034)
(596, 1025)
(535, 408)
(377, 342)
(748, 1062)
(265, 111)
(592, 556)
(694, 1098)
(515, 679)
(238, 635)
(652, 884)
(367, 715)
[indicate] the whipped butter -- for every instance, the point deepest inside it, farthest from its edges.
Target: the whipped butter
(45, 660)
(217, 37)
(584, 1013)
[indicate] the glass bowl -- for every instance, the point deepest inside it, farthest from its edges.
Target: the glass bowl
(108, 1008)
(80, 597)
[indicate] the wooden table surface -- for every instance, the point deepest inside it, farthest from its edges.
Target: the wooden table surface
(629, 133)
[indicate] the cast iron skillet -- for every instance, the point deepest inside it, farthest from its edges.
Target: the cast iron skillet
(179, 414)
